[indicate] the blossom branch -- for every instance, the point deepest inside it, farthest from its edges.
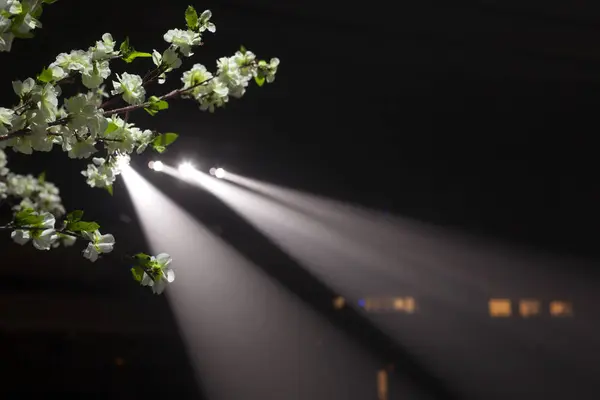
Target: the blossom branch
(170, 95)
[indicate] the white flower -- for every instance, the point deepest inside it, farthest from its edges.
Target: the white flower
(204, 22)
(244, 59)
(46, 99)
(131, 87)
(28, 23)
(68, 240)
(161, 273)
(43, 235)
(171, 59)
(11, 6)
(100, 174)
(103, 48)
(6, 116)
(82, 148)
(142, 139)
(183, 40)
(20, 236)
(23, 88)
(217, 96)
(3, 190)
(195, 76)
(6, 40)
(3, 161)
(83, 112)
(99, 244)
(273, 64)
(92, 78)
(76, 60)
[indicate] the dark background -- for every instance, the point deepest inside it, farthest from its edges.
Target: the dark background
(478, 116)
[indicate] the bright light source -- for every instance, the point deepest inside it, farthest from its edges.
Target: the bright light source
(186, 169)
(122, 161)
(158, 166)
(212, 171)
(220, 173)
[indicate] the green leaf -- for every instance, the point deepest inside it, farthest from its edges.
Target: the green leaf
(49, 1)
(138, 273)
(45, 76)
(125, 48)
(42, 177)
(82, 226)
(135, 54)
(165, 139)
(151, 111)
(111, 128)
(260, 80)
(28, 217)
(191, 18)
(159, 149)
(75, 216)
(156, 105)
(142, 257)
(243, 49)
(109, 189)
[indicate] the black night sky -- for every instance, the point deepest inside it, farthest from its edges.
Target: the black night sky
(476, 118)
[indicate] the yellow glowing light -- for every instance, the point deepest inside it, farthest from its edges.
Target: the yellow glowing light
(500, 308)
(529, 307)
(406, 304)
(339, 302)
(561, 308)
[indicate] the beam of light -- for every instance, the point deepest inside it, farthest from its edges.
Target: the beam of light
(246, 336)
(359, 251)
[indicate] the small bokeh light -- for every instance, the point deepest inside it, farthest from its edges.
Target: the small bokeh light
(220, 173)
(500, 308)
(156, 165)
(217, 172)
(339, 302)
(561, 308)
(529, 307)
(186, 169)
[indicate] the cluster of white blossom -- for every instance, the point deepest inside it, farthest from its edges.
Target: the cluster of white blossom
(18, 19)
(90, 125)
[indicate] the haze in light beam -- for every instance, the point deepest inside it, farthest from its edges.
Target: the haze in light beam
(247, 336)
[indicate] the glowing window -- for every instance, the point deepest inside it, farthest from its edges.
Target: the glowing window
(529, 307)
(561, 308)
(406, 304)
(500, 308)
(388, 304)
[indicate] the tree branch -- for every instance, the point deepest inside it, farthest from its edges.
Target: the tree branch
(35, 228)
(171, 94)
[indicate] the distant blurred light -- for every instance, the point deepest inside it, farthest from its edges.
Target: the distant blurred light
(220, 173)
(186, 169)
(561, 308)
(212, 170)
(500, 307)
(361, 303)
(339, 302)
(529, 307)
